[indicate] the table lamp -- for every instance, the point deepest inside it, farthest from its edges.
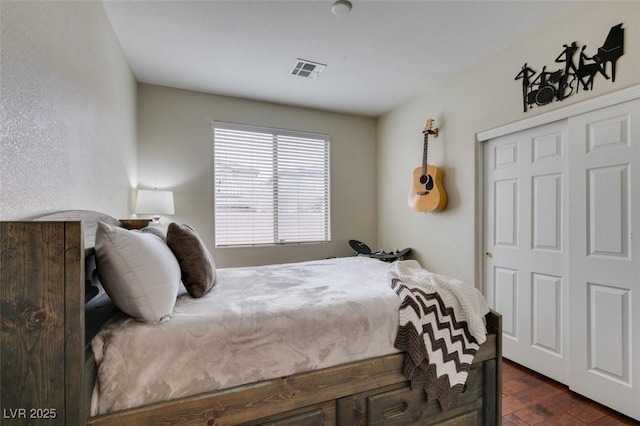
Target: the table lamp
(155, 203)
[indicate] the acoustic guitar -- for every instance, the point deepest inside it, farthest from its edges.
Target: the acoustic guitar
(427, 193)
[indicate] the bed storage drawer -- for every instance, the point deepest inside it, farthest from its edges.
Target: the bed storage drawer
(403, 406)
(316, 415)
(400, 405)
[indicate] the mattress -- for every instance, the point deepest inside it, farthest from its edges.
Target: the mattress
(257, 323)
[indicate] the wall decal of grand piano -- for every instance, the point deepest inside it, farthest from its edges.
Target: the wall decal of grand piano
(547, 86)
(611, 50)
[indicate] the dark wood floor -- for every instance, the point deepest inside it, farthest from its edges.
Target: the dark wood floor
(531, 399)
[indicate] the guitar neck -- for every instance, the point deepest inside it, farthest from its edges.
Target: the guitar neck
(425, 149)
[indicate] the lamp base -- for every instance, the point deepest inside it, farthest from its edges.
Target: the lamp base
(155, 219)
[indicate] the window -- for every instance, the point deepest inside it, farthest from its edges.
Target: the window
(271, 186)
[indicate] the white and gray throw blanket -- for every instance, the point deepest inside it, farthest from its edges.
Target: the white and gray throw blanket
(441, 328)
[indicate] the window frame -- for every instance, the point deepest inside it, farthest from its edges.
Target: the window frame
(274, 132)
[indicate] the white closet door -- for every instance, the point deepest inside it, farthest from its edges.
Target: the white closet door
(605, 256)
(526, 245)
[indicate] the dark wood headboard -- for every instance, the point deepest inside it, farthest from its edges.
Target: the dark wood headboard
(98, 306)
(43, 354)
(89, 221)
(48, 265)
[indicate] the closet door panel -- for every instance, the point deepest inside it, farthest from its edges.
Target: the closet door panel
(609, 327)
(604, 259)
(547, 212)
(608, 211)
(547, 313)
(525, 240)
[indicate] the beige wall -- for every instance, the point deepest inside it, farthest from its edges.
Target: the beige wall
(480, 98)
(176, 152)
(68, 111)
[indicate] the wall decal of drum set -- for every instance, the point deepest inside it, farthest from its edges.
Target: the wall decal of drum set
(541, 88)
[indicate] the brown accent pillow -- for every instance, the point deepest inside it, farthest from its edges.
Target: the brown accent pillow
(197, 268)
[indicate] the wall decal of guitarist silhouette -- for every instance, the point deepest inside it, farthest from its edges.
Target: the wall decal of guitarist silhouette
(427, 193)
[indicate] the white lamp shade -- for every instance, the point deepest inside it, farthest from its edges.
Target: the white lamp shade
(154, 202)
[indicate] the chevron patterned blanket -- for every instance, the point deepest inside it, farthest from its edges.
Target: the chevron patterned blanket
(441, 328)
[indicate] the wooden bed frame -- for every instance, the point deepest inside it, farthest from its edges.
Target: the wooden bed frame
(47, 369)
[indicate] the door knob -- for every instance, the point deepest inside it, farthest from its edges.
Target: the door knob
(489, 255)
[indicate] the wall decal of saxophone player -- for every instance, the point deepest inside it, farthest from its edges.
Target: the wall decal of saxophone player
(427, 193)
(542, 88)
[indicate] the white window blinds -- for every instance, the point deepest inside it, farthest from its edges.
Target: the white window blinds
(271, 186)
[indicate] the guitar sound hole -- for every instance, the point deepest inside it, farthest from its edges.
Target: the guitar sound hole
(423, 179)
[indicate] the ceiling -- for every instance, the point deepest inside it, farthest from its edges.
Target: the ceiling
(377, 56)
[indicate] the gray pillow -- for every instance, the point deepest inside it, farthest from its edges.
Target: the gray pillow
(156, 229)
(196, 262)
(138, 271)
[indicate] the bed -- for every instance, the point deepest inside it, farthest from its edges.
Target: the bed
(47, 326)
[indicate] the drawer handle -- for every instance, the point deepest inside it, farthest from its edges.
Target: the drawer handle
(395, 411)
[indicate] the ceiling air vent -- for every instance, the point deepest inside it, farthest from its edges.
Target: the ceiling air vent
(307, 69)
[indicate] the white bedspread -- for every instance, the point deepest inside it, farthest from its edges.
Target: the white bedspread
(257, 323)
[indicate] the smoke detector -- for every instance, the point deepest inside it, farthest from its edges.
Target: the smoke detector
(341, 7)
(307, 69)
